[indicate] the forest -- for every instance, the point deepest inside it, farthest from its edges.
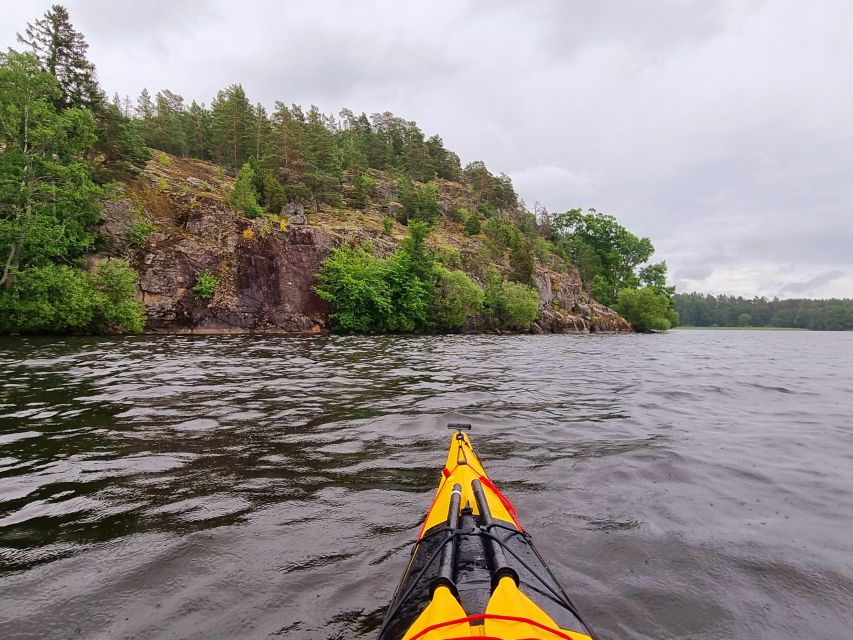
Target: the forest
(704, 310)
(64, 145)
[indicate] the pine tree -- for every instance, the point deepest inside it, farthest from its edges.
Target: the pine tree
(233, 127)
(144, 106)
(244, 195)
(323, 175)
(289, 148)
(167, 131)
(197, 131)
(61, 49)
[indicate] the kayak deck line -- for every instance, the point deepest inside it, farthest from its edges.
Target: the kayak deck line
(474, 572)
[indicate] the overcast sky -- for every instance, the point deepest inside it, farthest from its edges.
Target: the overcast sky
(722, 130)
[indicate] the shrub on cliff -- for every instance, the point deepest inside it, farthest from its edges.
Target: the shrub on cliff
(455, 300)
(472, 224)
(369, 294)
(244, 195)
(205, 285)
(646, 309)
(117, 308)
(510, 304)
(353, 283)
(420, 202)
(410, 291)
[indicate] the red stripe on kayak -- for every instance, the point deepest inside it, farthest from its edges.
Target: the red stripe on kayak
(489, 616)
(504, 500)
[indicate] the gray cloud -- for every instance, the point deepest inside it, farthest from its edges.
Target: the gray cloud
(719, 129)
(807, 286)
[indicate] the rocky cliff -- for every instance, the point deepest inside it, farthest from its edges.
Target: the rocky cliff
(174, 222)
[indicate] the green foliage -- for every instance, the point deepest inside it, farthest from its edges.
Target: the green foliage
(654, 276)
(61, 51)
(164, 158)
(447, 256)
(502, 234)
(646, 309)
(606, 253)
(205, 285)
(456, 299)
(415, 246)
(510, 304)
(495, 192)
(61, 299)
(141, 230)
(353, 283)
(369, 294)
(233, 124)
(419, 202)
(47, 299)
(116, 307)
(542, 248)
(48, 201)
(522, 262)
(410, 289)
(472, 225)
(244, 196)
(486, 209)
(119, 152)
(387, 224)
(601, 289)
(460, 215)
(297, 192)
(274, 194)
(363, 186)
(703, 310)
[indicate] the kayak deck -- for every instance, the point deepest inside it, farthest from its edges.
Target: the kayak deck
(474, 572)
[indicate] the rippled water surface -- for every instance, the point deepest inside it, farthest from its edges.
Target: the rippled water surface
(687, 485)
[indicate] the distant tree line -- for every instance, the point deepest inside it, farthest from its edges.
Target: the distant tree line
(705, 310)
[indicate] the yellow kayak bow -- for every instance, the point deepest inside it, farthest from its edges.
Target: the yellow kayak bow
(474, 572)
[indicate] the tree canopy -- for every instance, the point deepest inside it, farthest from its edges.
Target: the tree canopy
(56, 135)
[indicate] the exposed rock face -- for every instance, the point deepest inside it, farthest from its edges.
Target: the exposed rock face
(265, 283)
(295, 213)
(264, 270)
(565, 308)
(265, 267)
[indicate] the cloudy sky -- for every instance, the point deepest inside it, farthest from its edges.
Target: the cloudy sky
(721, 129)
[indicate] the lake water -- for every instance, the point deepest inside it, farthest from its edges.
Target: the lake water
(686, 485)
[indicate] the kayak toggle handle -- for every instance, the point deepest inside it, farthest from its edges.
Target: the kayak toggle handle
(459, 426)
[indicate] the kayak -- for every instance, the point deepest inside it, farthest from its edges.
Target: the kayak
(474, 572)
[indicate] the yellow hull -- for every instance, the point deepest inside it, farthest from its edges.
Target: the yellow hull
(474, 572)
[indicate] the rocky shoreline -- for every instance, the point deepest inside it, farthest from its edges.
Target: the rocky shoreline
(265, 270)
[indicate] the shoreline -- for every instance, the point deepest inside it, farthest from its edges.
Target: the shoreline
(716, 328)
